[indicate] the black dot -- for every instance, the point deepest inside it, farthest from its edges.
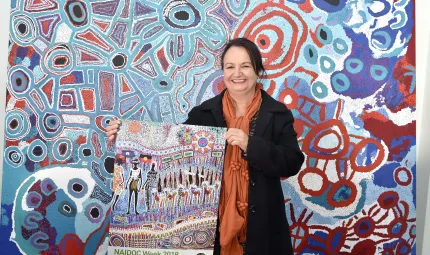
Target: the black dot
(118, 61)
(22, 28)
(67, 208)
(263, 42)
(311, 53)
(53, 121)
(18, 82)
(63, 148)
(163, 83)
(182, 15)
(323, 34)
(109, 164)
(107, 121)
(60, 61)
(38, 151)
(13, 124)
(77, 11)
(333, 2)
(95, 213)
(77, 187)
(87, 152)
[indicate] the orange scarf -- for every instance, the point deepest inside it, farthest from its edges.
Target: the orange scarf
(234, 193)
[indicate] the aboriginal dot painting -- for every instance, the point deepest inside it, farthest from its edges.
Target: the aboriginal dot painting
(167, 182)
(345, 68)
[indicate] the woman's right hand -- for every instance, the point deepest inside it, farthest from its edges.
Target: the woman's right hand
(112, 129)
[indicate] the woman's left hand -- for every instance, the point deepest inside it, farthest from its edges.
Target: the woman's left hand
(235, 136)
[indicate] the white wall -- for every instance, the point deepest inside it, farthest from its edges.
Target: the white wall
(423, 78)
(423, 123)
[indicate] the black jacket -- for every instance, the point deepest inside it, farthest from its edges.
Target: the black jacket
(272, 152)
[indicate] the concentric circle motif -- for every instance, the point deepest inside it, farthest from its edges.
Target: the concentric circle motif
(62, 149)
(19, 81)
(77, 13)
(59, 59)
(48, 186)
(187, 240)
(51, 123)
(117, 241)
(14, 157)
(37, 151)
(34, 199)
(23, 29)
(203, 141)
(280, 50)
(77, 187)
(94, 213)
(17, 124)
(181, 15)
(67, 209)
(102, 121)
(202, 237)
(176, 241)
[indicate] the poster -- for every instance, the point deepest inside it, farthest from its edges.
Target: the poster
(166, 188)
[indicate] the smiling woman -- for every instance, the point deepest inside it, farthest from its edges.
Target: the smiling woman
(262, 147)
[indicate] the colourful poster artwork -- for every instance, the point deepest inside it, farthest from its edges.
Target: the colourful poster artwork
(166, 186)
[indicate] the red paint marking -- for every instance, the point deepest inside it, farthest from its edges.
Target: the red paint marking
(124, 88)
(318, 131)
(271, 88)
(47, 90)
(20, 104)
(301, 69)
(88, 97)
(102, 25)
(306, 6)
(90, 37)
(314, 37)
(69, 79)
(373, 121)
(316, 171)
(162, 59)
(12, 143)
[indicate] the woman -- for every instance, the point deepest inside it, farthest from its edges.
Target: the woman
(262, 147)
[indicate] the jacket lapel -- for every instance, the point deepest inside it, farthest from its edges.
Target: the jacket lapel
(214, 105)
(265, 114)
(219, 117)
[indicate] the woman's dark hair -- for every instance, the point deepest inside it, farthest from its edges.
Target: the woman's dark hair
(253, 52)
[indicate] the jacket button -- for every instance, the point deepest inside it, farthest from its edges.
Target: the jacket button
(253, 209)
(253, 183)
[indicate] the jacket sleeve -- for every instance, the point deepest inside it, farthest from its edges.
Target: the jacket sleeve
(193, 117)
(282, 158)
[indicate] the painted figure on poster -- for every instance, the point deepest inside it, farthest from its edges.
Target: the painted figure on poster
(118, 185)
(151, 176)
(133, 184)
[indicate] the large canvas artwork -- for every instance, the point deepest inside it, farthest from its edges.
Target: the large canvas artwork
(167, 181)
(346, 69)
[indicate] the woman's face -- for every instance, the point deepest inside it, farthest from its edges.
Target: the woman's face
(239, 75)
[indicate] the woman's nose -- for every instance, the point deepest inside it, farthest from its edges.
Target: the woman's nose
(237, 71)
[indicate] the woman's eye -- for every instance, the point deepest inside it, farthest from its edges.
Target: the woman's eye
(229, 67)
